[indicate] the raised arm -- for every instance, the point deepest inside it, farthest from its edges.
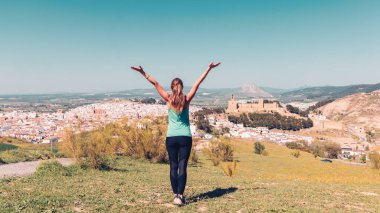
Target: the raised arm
(194, 89)
(153, 81)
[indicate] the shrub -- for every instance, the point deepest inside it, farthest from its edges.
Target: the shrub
(332, 149)
(296, 154)
(317, 148)
(259, 148)
(363, 158)
(141, 139)
(220, 150)
(301, 145)
(91, 149)
(230, 169)
(148, 142)
(54, 168)
(374, 158)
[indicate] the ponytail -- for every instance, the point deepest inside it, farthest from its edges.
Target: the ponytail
(178, 99)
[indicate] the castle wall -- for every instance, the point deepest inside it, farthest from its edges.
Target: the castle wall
(235, 107)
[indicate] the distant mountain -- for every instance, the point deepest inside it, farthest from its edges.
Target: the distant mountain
(217, 97)
(254, 91)
(361, 109)
(211, 97)
(311, 94)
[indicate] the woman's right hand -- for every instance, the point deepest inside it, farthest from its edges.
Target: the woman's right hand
(138, 69)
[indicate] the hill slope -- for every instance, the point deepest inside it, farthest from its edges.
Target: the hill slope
(274, 183)
(361, 109)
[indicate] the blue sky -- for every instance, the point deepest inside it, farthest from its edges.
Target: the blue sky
(88, 45)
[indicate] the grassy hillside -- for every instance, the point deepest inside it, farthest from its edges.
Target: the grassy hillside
(275, 183)
(357, 109)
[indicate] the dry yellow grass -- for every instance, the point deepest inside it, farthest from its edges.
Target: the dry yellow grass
(280, 165)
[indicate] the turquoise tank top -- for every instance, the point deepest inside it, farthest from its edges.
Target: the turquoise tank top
(179, 124)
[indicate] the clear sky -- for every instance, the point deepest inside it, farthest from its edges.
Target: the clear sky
(88, 45)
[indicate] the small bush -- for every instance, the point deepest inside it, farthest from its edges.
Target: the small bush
(300, 145)
(296, 154)
(230, 169)
(220, 150)
(91, 149)
(374, 158)
(259, 148)
(54, 168)
(363, 158)
(317, 148)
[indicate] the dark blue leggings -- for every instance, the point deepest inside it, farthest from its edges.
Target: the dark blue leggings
(179, 148)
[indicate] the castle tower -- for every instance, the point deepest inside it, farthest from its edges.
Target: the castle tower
(232, 105)
(261, 103)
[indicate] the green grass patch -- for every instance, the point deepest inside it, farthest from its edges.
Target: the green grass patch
(55, 169)
(274, 183)
(5, 147)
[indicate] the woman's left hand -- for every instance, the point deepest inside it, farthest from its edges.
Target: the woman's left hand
(138, 69)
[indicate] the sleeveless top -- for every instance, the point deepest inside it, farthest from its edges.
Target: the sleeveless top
(179, 124)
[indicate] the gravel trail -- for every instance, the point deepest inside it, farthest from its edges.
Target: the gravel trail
(26, 168)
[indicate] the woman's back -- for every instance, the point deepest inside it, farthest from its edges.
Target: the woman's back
(179, 124)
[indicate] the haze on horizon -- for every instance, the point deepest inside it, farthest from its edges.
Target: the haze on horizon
(88, 46)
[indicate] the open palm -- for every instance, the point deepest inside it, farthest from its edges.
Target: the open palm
(139, 69)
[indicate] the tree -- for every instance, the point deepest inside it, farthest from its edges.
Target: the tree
(148, 101)
(259, 148)
(203, 124)
(370, 136)
(292, 109)
(332, 149)
(272, 120)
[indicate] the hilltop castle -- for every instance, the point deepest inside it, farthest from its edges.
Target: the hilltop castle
(260, 105)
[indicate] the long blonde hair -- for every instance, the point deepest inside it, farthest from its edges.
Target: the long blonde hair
(178, 99)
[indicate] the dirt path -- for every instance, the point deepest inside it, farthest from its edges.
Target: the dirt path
(26, 168)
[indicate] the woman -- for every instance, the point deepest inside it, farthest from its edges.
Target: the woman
(178, 140)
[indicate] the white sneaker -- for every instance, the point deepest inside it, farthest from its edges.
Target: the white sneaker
(177, 200)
